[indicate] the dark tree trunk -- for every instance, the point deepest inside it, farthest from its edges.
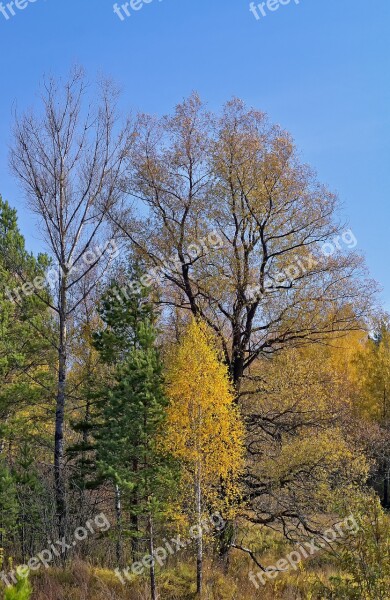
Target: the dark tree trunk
(134, 519)
(118, 512)
(153, 589)
(135, 531)
(59, 472)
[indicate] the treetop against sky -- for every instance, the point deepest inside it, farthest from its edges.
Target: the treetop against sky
(318, 69)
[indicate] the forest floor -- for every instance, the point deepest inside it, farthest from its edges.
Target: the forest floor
(81, 581)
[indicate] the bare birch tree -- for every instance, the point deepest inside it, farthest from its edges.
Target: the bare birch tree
(70, 160)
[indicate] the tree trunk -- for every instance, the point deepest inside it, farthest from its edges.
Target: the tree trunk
(59, 475)
(23, 537)
(386, 486)
(118, 512)
(153, 591)
(199, 541)
(386, 476)
(134, 519)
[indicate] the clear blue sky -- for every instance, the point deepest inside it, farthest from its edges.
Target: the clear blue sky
(319, 68)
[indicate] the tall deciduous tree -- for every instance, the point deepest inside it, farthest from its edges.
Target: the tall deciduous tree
(204, 428)
(274, 282)
(287, 273)
(70, 161)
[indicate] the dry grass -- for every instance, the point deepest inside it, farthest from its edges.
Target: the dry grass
(83, 582)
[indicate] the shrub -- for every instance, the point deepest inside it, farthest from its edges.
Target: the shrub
(364, 561)
(22, 590)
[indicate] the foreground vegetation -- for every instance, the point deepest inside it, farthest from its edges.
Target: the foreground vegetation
(358, 571)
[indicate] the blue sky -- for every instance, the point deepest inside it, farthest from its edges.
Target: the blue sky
(320, 68)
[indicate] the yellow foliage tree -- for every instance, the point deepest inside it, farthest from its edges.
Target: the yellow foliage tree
(372, 363)
(300, 454)
(205, 432)
(371, 370)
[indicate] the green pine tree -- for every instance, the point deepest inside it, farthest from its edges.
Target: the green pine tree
(25, 329)
(120, 315)
(31, 497)
(9, 506)
(133, 414)
(25, 375)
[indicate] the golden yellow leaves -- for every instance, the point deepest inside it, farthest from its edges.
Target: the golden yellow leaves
(204, 432)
